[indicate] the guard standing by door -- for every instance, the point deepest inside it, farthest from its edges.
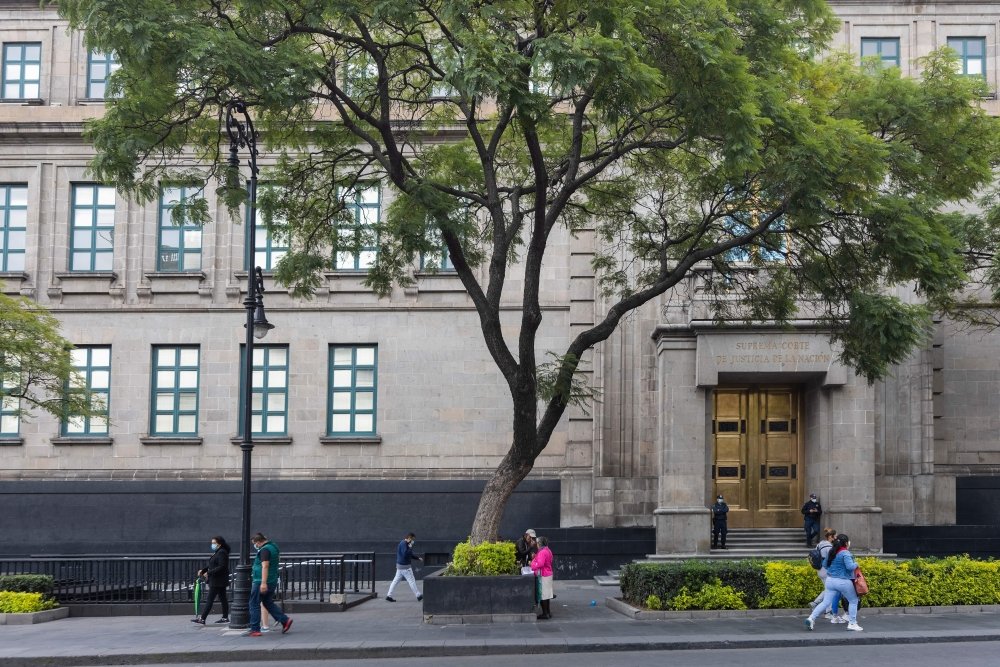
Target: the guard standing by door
(720, 519)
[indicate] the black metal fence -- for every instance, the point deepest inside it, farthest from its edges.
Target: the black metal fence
(158, 579)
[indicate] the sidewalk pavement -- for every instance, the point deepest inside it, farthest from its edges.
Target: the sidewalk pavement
(381, 629)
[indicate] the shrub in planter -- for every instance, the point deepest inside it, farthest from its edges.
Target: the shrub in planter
(484, 559)
(24, 603)
(790, 585)
(711, 596)
(747, 577)
(957, 580)
(27, 583)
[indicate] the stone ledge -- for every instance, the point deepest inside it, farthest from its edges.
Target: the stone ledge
(35, 617)
(625, 609)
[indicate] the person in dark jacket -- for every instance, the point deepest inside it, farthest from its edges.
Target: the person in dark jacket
(525, 548)
(216, 573)
(720, 521)
(811, 512)
(404, 567)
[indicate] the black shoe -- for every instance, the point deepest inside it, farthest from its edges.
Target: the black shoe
(389, 599)
(223, 620)
(725, 547)
(419, 598)
(199, 621)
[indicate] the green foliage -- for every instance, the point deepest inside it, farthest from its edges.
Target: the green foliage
(35, 363)
(653, 602)
(955, 580)
(24, 603)
(484, 559)
(27, 583)
(710, 596)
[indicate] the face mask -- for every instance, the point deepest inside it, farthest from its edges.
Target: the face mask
(214, 546)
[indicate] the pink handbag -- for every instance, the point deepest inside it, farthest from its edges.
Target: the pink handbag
(860, 583)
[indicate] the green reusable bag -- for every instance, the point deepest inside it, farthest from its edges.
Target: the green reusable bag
(197, 595)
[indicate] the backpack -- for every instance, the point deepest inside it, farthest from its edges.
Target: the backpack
(816, 559)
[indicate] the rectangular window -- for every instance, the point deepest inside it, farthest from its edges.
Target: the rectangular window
(100, 66)
(22, 70)
(360, 75)
(437, 261)
(353, 388)
(179, 246)
(175, 391)
(269, 402)
(971, 55)
(771, 246)
(363, 208)
(13, 226)
(92, 228)
(885, 49)
(92, 380)
(10, 420)
(268, 247)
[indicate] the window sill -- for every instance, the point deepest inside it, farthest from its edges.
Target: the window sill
(91, 101)
(174, 282)
(350, 440)
(11, 442)
(264, 440)
(82, 440)
(23, 101)
(13, 281)
(170, 440)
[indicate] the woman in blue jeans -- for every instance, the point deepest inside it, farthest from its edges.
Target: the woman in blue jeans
(840, 567)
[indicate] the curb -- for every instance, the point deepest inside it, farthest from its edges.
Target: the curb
(431, 649)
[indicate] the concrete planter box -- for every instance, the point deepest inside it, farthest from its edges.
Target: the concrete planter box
(507, 599)
(34, 617)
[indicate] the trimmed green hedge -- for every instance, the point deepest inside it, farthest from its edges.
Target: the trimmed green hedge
(484, 559)
(24, 603)
(757, 584)
(27, 583)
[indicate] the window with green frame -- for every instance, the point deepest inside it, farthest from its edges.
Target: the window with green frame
(439, 260)
(360, 74)
(22, 70)
(353, 390)
(100, 66)
(91, 379)
(269, 402)
(10, 419)
(769, 247)
(178, 246)
(175, 390)
(268, 247)
(971, 55)
(885, 49)
(92, 224)
(13, 226)
(363, 206)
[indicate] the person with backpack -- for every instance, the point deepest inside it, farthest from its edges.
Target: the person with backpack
(840, 569)
(817, 558)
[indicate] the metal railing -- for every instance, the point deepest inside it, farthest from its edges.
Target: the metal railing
(102, 579)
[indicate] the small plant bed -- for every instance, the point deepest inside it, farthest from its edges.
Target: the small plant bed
(756, 584)
(27, 599)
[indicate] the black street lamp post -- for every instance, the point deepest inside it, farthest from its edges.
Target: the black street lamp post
(242, 135)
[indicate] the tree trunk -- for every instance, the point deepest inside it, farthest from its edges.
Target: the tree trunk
(493, 502)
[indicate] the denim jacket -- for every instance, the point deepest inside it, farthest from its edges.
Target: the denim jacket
(843, 566)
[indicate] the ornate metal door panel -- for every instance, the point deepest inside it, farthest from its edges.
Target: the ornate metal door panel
(756, 454)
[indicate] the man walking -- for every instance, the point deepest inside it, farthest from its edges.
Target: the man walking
(811, 512)
(404, 567)
(263, 581)
(720, 521)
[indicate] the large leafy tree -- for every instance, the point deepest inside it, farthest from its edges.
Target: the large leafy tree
(693, 135)
(36, 368)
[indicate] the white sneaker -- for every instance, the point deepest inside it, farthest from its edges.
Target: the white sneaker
(809, 624)
(855, 627)
(839, 619)
(828, 616)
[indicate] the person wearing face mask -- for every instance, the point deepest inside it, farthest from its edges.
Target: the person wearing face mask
(263, 583)
(840, 569)
(216, 573)
(404, 567)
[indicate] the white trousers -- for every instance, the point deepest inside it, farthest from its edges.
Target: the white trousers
(401, 572)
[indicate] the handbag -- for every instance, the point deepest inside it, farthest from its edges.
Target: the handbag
(860, 583)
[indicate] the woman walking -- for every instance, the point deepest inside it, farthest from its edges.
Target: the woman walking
(833, 613)
(840, 568)
(541, 565)
(217, 574)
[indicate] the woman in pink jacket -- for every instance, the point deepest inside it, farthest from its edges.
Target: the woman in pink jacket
(541, 565)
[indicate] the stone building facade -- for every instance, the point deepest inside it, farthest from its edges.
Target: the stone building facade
(399, 394)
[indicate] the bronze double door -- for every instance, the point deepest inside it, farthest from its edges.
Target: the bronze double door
(757, 455)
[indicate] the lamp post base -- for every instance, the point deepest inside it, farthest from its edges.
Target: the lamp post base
(239, 611)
